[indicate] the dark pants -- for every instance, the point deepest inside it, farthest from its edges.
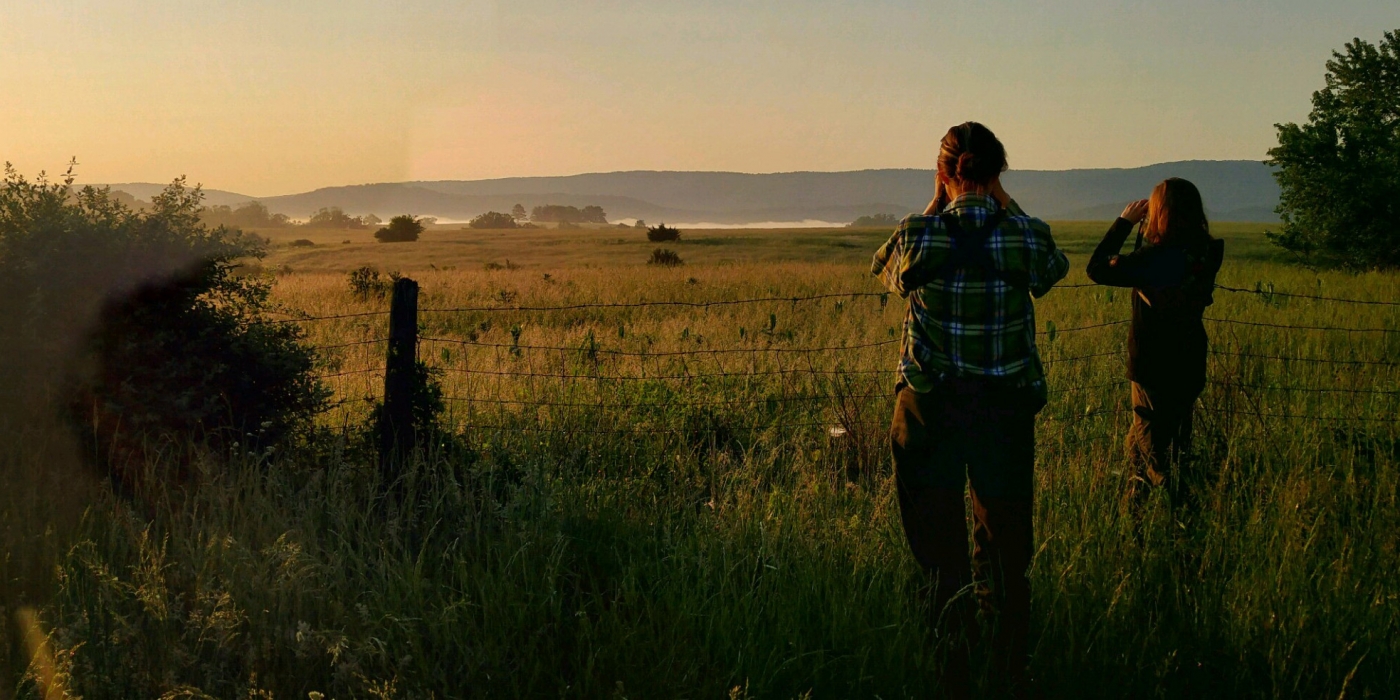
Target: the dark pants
(967, 431)
(1160, 437)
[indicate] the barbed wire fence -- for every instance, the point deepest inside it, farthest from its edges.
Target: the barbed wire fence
(843, 391)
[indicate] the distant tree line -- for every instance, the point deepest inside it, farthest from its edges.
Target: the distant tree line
(246, 215)
(875, 221)
(335, 217)
(561, 214)
(564, 214)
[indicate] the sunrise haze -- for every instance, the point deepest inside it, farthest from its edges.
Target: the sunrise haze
(270, 98)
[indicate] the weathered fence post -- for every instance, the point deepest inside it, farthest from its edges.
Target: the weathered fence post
(396, 429)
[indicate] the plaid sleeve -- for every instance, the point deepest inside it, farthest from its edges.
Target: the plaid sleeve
(1048, 263)
(889, 261)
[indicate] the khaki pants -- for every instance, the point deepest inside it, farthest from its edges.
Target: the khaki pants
(959, 433)
(1160, 437)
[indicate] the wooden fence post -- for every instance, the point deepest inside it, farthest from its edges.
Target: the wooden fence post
(397, 433)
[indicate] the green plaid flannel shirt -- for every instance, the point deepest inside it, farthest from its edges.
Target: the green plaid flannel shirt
(967, 324)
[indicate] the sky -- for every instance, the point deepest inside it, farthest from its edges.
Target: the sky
(280, 96)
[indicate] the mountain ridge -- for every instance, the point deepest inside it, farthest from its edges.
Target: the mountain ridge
(1233, 191)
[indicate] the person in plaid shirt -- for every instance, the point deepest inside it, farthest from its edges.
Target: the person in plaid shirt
(970, 384)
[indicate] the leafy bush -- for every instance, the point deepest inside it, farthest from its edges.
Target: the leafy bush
(366, 283)
(150, 309)
(303, 243)
(401, 229)
(662, 233)
(1340, 172)
(493, 220)
(665, 258)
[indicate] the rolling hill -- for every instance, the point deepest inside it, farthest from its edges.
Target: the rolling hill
(1233, 190)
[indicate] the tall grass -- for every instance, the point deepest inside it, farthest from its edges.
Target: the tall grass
(664, 536)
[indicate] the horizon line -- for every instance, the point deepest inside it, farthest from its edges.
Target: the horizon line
(681, 172)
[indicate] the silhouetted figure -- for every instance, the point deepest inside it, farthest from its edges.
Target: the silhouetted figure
(1173, 278)
(970, 384)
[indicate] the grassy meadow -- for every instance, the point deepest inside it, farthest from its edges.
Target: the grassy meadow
(690, 502)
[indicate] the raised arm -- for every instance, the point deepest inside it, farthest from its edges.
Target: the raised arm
(1106, 266)
(888, 262)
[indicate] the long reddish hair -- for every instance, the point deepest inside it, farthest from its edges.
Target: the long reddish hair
(1176, 214)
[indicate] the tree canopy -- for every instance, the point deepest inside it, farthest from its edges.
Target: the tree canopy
(1340, 172)
(401, 229)
(333, 217)
(246, 215)
(493, 220)
(564, 214)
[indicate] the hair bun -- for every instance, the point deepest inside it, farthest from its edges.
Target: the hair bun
(967, 167)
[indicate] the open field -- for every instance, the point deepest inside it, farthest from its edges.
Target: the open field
(681, 501)
(456, 248)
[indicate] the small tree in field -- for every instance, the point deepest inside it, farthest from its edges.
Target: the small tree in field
(401, 229)
(517, 212)
(493, 220)
(658, 234)
(1340, 172)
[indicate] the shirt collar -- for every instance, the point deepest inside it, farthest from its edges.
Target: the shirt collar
(973, 200)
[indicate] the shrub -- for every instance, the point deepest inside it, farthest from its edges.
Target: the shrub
(493, 220)
(665, 258)
(662, 233)
(401, 229)
(302, 243)
(366, 283)
(161, 319)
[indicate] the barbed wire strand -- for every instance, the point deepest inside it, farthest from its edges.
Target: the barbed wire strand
(1311, 297)
(1280, 326)
(1317, 360)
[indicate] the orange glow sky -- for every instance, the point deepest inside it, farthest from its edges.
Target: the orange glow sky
(268, 98)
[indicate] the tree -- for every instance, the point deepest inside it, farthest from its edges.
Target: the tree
(564, 214)
(593, 214)
(493, 220)
(247, 215)
(1340, 172)
(517, 212)
(371, 220)
(401, 229)
(662, 233)
(333, 217)
(641, 223)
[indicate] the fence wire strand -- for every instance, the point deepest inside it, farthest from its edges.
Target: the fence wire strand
(837, 398)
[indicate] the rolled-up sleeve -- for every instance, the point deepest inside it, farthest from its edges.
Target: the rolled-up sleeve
(889, 262)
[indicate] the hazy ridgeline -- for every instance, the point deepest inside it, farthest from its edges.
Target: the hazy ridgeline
(672, 501)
